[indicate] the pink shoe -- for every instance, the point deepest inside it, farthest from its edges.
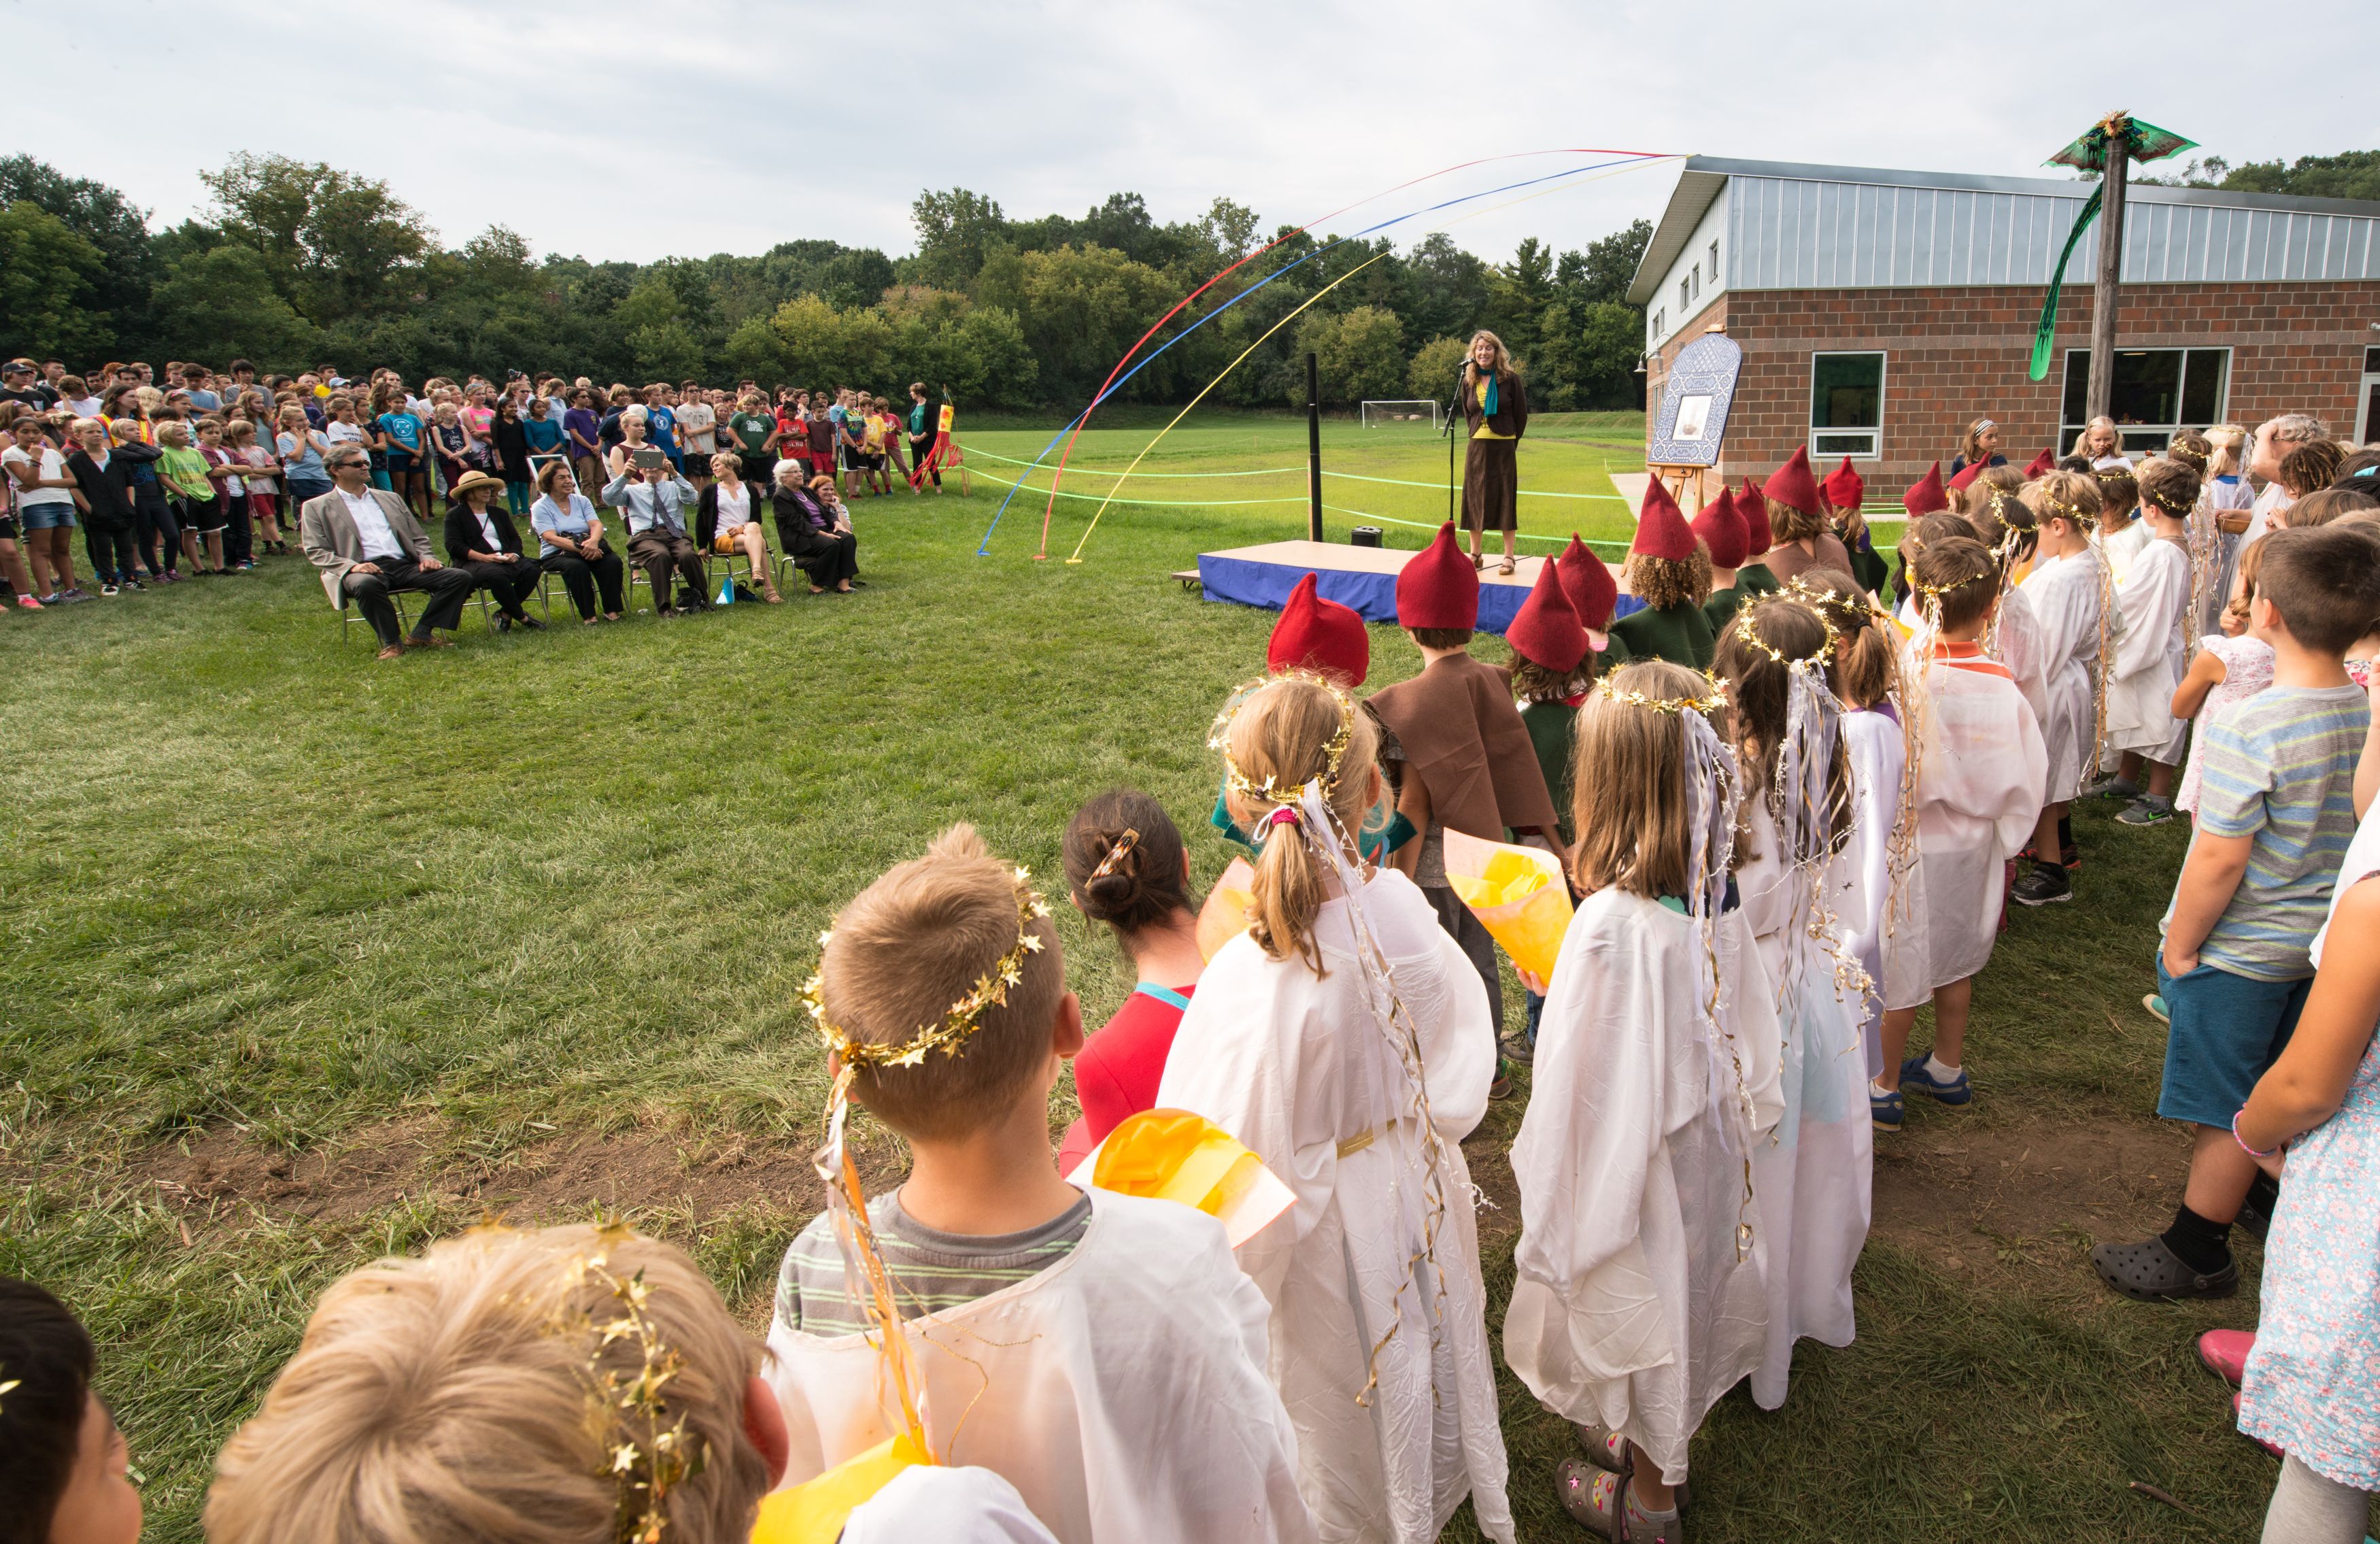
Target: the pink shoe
(28, 602)
(2225, 1353)
(2251, 1436)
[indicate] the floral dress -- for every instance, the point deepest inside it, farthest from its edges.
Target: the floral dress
(2247, 670)
(2313, 1382)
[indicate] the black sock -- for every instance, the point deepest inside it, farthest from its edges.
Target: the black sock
(2065, 833)
(2202, 1244)
(2263, 1194)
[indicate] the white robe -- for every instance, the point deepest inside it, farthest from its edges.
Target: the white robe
(1631, 1306)
(1860, 875)
(2019, 645)
(2066, 601)
(1811, 1181)
(1121, 1390)
(948, 1503)
(2154, 597)
(2125, 545)
(1979, 795)
(1299, 1068)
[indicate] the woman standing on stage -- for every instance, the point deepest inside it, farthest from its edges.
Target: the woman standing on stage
(1496, 409)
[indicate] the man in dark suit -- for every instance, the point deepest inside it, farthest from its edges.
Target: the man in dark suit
(367, 543)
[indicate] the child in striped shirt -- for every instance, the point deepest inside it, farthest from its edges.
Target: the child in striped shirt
(2276, 812)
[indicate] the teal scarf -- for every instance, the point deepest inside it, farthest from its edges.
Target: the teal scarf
(1487, 408)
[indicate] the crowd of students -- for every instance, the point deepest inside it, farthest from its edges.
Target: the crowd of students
(1790, 787)
(200, 474)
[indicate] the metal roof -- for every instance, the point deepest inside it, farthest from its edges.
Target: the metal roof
(1799, 227)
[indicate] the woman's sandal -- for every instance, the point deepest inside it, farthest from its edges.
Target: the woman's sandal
(1505, 566)
(1597, 1500)
(1478, 561)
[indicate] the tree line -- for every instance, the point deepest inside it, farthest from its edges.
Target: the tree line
(295, 264)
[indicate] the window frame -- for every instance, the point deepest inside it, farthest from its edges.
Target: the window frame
(1714, 263)
(1685, 293)
(1875, 451)
(2163, 433)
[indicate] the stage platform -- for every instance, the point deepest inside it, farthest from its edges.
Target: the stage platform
(1364, 578)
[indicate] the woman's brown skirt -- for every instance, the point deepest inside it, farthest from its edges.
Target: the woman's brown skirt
(1491, 485)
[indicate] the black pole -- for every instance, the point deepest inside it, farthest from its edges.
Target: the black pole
(1452, 416)
(1313, 452)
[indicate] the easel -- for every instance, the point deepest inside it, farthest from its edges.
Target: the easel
(1676, 477)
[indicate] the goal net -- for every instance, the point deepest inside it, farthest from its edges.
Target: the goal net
(1380, 415)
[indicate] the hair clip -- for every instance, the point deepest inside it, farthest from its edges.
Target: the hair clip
(1124, 844)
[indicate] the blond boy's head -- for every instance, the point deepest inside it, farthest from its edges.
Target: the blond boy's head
(457, 1398)
(913, 944)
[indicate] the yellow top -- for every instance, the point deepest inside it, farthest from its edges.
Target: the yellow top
(1483, 431)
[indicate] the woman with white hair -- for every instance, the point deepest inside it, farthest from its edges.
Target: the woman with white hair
(727, 521)
(815, 531)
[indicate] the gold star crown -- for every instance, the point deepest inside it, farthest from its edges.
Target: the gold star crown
(949, 1033)
(1710, 704)
(1270, 790)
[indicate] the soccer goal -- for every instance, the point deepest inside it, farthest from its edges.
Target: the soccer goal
(1379, 415)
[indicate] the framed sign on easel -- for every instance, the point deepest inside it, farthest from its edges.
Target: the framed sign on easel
(1683, 450)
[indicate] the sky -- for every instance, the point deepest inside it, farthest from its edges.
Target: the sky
(638, 131)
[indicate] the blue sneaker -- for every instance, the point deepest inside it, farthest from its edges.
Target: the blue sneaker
(1915, 1075)
(1884, 1110)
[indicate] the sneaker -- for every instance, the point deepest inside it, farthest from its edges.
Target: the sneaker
(1914, 1075)
(2042, 887)
(2150, 1271)
(107, 586)
(1516, 1048)
(2111, 787)
(1884, 1110)
(2157, 1010)
(134, 584)
(74, 596)
(2070, 857)
(28, 602)
(2146, 810)
(1501, 1089)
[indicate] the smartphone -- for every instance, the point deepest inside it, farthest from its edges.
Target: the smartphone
(648, 459)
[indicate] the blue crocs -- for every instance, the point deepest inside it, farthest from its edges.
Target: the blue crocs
(1884, 1110)
(1915, 1075)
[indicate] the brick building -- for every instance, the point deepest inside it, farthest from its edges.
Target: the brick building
(1880, 311)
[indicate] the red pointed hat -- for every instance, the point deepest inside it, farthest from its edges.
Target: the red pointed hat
(1844, 487)
(1438, 587)
(1592, 593)
(1925, 495)
(1722, 530)
(1751, 510)
(1545, 630)
(2045, 462)
(1972, 470)
(1791, 483)
(1319, 635)
(1661, 528)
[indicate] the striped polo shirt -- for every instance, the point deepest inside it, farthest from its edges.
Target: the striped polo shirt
(2280, 767)
(931, 1271)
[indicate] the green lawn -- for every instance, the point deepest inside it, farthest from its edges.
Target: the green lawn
(311, 958)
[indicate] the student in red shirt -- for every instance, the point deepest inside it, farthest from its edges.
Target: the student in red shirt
(1126, 867)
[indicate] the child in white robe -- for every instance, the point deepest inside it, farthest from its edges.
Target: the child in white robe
(1638, 1299)
(2072, 593)
(1810, 1180)
(1345, 1038)
(2154, 597)
(1103, 1353)
(1980, 764)
(2003, 524)
(1862, 672)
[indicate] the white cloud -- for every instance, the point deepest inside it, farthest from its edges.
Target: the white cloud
(639, 131)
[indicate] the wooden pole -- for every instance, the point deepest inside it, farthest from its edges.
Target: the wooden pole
(1313, 452)
(2101, 391)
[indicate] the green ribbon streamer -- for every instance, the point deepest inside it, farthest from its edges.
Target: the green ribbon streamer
(2043, 334)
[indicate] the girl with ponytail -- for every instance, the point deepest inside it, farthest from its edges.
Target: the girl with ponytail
(1346, 1039)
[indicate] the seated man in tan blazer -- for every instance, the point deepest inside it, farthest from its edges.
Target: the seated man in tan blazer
(367, 543)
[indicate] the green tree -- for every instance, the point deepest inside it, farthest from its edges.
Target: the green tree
(334, 244)
(1608, 266)
(220, 303)
(1435, 365)
(954, 230)
(2354, 174)
(755, 350)
(48, 276)
(1357, 355)
(107, 220)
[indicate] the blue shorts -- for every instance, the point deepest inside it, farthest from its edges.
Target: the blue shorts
(47, 515)
(400, 461)
(2226, 1032)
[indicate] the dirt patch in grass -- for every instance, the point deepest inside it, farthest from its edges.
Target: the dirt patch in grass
(564, 1176)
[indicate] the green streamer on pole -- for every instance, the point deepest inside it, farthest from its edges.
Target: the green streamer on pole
(2043, 334)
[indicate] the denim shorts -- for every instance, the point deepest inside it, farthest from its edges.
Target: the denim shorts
(48, 514)
(2226, 1032)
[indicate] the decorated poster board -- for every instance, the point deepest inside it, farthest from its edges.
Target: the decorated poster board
(1694, 402)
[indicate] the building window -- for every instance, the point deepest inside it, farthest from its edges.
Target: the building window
(2157, 393)
(1660, 325)
(1685, 294)
(1696, 276)
(2367, 400)
(1714, 261)
(1847, 405)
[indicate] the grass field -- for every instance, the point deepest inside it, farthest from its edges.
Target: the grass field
(313, 959)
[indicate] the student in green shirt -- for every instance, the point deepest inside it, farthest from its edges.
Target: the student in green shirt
(1669, 569)
(754, 429)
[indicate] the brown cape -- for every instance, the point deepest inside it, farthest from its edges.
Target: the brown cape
(1461, 731)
